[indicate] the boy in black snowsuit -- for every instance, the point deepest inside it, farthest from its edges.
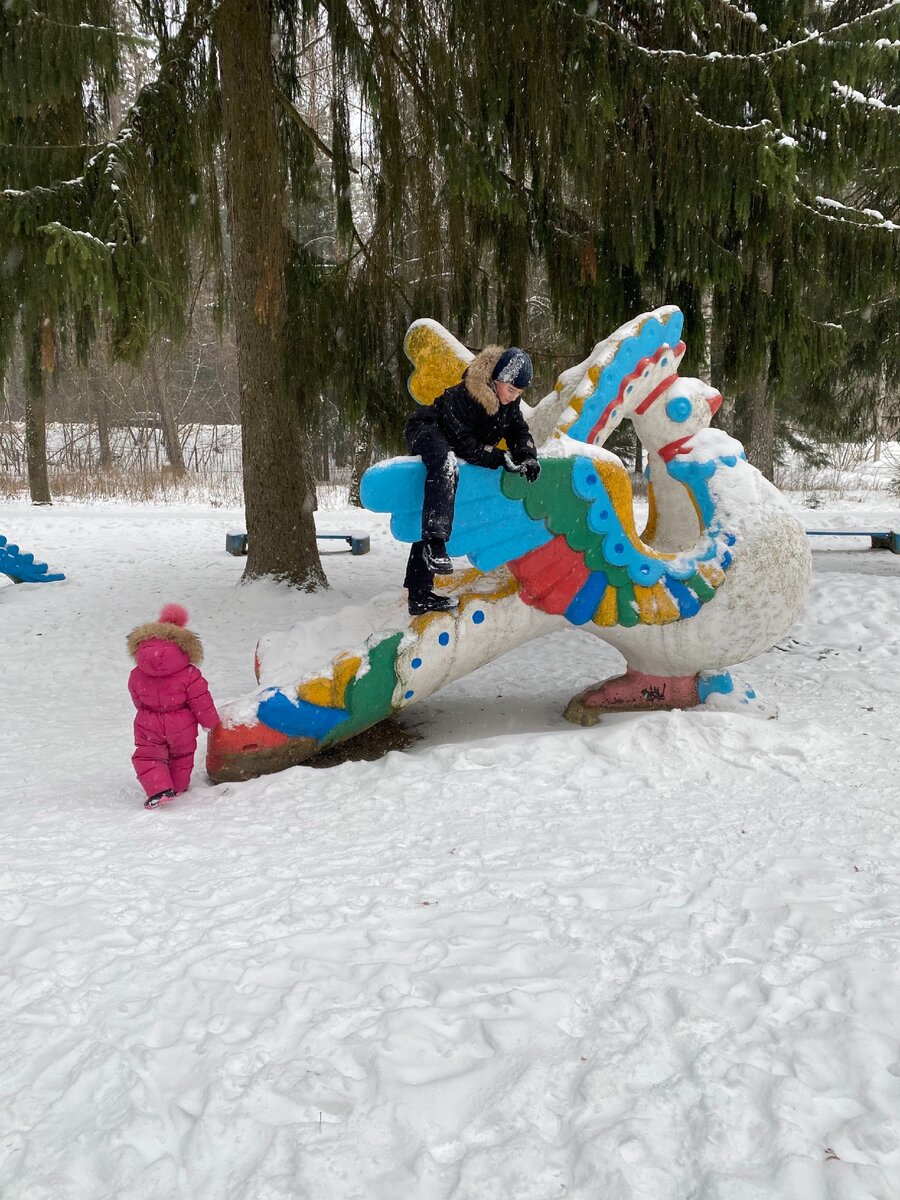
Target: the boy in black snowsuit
(466, 421)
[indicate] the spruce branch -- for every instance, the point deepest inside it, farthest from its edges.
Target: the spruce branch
(823, 38)
(849, 93)
(132, 39)
(296, 116)
(862, 218)
(742, 15)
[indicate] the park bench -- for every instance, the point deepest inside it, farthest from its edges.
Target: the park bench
(884, 540)
(236, 543)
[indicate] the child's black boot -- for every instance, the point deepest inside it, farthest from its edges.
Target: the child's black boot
(436, 558)
(426, 602)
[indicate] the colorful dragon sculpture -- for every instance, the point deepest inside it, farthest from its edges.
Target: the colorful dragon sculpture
(717, 576)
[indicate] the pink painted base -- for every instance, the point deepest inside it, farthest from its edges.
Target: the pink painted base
(632, 692)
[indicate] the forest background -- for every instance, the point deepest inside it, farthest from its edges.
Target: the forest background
(226, 213)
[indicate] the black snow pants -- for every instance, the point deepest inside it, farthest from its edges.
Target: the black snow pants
(424, 438)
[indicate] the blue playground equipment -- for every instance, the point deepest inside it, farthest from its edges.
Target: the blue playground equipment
(20, 567)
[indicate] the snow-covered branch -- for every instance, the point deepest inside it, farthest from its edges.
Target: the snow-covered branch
(821, 37)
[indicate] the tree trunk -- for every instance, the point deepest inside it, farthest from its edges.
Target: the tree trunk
(761, 409)
(325, 474)
(363, 449)
(279, 491)
(168, 424)
(101, 414)
(881, 410)
(725, 418)
(761, 414)
(41, 354)
(36, 447)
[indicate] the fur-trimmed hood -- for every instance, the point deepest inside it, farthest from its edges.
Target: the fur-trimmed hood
(477, 378)
(185, 639)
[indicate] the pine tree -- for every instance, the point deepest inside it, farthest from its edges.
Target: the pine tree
(278, 485)
(58, 68)
(680, 151)
(693, 152)
(106, 240)
(690, 152)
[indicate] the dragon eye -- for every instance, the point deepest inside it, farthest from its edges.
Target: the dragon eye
(679, 409)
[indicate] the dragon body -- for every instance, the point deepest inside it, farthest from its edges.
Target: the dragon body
(716, 577)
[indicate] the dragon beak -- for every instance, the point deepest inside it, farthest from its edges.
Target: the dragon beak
(679, 446)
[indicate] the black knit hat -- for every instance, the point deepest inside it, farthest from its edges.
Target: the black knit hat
(513, 367)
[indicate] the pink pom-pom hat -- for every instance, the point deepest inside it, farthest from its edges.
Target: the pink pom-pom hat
(174, 614)
(171, 627)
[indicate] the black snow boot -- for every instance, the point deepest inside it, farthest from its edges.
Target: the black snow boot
(426, 602)
(436, 558)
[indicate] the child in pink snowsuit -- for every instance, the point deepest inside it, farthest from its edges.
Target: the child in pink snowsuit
(171, 698)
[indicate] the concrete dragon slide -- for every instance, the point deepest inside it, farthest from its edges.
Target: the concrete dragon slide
(717, 576)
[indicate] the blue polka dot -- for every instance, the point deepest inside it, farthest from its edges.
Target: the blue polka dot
(444, 638)
(590, 480)
(478, 617)
(416, 663)
(408, 695)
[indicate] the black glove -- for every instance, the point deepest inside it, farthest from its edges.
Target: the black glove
(530, 468)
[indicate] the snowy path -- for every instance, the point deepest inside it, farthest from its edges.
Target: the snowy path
(655, 960)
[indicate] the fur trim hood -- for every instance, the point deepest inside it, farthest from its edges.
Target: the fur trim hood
(477, 378)
(171, 627)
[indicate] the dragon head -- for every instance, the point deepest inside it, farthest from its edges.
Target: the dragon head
(620, 374)
(666, 421)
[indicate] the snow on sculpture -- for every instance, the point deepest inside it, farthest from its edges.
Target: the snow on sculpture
(717, 576)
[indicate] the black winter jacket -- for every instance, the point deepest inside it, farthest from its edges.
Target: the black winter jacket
(473, 420)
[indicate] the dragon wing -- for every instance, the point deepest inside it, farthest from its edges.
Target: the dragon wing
(569, 539)
(438, 358)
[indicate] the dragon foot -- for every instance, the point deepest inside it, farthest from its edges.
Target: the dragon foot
(632, 692)
(721, 692)
(636, 692)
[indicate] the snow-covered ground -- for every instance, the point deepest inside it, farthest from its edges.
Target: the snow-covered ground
(658, 959)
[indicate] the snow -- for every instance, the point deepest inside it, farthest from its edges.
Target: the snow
(563, 446)
(883, 223)
(849, 93)
(652, 960)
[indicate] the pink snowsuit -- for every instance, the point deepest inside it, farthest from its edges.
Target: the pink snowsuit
(171, 697)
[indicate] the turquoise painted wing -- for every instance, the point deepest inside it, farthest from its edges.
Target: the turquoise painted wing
(569, 539)
(488, 527)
